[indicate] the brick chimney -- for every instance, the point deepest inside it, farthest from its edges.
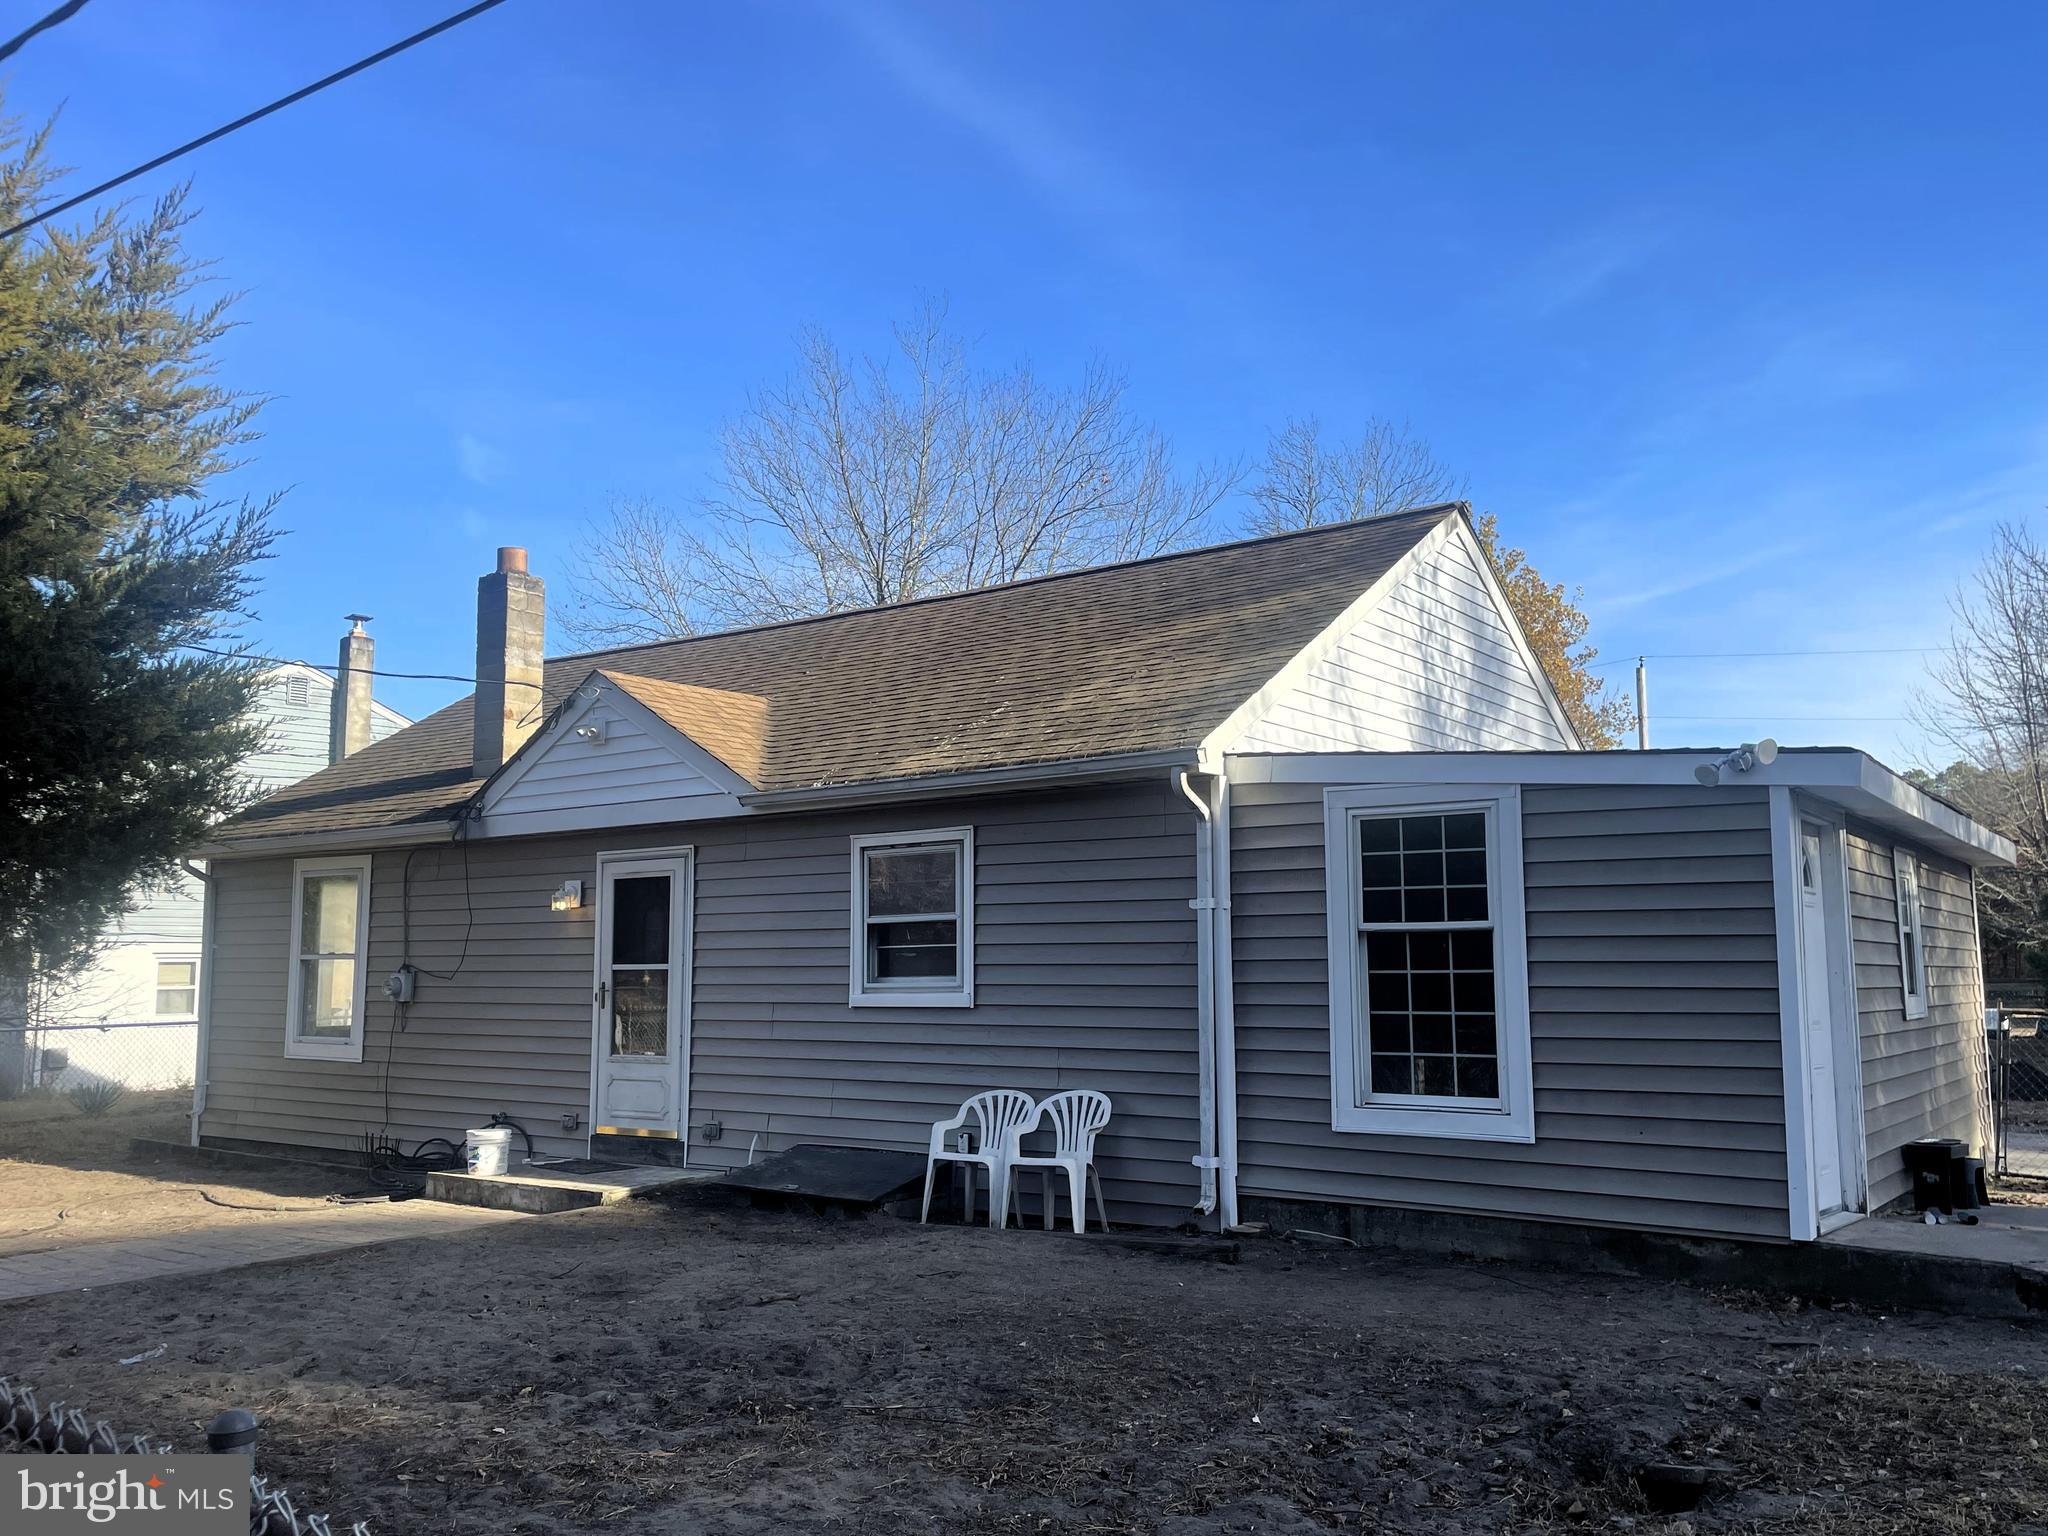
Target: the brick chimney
(348, 719)
(511, 617)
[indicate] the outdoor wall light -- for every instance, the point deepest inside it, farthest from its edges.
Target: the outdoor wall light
(568, 898)
(1745, 757)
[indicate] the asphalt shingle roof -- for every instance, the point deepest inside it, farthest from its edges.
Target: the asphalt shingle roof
(1145, 656)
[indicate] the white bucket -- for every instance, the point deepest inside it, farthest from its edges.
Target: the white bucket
(489, 1150)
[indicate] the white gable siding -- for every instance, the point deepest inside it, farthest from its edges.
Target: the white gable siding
(1431, 667)
(639, 763)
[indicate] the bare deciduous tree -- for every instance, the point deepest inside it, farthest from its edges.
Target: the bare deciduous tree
(1386, 468)
(1989, 706)
(861, 482)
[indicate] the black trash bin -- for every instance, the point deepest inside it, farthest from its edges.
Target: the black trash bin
(1935, 1164)
(1968, 1192)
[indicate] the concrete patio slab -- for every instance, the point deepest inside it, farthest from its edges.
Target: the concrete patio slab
(89, 1266)
(537, 1190)
(2004, 1234)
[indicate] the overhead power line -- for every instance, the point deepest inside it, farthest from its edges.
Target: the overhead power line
(1877, 650)
(328, 666)
(244, 121)
(58, 17)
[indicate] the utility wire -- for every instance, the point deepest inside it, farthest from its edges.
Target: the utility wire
(241, 122)
(328, 666)
(1880, 650)
(58, 17)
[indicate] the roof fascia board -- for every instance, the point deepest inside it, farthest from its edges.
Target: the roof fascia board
(1298, 666)
(1890, 791)
(1125, 765)
(1848, 777)
(1501, 606)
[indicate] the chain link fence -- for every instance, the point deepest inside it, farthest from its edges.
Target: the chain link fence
(2019, 1071)
(106, 1060)
(27, 1425)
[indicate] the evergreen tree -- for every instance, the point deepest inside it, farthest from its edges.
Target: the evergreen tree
(120, 726)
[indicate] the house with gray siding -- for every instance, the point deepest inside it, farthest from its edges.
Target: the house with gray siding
(1286, 845)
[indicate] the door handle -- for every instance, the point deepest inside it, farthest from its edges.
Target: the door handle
(603, 992)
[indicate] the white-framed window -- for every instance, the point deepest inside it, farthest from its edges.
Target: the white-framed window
(177, 989)
(1912, 940)
(1429, 967)
(330, 933)
(913, 919)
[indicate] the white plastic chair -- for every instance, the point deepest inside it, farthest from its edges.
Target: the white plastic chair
(1077, 1116)
(996, 1114)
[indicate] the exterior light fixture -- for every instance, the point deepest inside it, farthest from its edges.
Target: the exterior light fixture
(1750, 754)
(568, 898)
(592, 734)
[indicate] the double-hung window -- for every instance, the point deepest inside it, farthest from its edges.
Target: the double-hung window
(177, 989)
(1912, 940)
(330, 931)
(913, 919)
(1429, 1010)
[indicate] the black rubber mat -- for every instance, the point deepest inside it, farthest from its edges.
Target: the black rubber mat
(854, 1175)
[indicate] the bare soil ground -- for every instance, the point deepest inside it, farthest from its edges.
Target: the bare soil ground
(664, 1367)
(67, 1178)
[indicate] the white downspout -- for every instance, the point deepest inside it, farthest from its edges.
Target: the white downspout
(1204, 906)
(205, 999)
(1225, 1006)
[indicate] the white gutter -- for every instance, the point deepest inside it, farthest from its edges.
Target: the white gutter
(1224, 956)
(206, 912)
(1204, 906)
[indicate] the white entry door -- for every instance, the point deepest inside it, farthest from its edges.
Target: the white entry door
(1818, 1014)
(641, 1015)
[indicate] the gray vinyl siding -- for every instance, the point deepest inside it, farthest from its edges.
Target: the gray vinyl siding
(1085, 977)
(1921, 1077)
(1655, 1030)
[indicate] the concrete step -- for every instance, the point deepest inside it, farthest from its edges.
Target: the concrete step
(541, 1191)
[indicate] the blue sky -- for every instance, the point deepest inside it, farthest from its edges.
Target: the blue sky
(1733, 314)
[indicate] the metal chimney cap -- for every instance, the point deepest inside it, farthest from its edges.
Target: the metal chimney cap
(358, 620)
(511, 560)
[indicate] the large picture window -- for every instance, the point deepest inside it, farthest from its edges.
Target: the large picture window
(1912, 940)
(330, 932)
(913, 919)
(1428, 969)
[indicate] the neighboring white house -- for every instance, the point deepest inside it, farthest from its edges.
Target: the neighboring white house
(149, 971)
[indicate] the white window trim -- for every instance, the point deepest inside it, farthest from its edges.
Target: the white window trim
(350, 1049)
(157, 986)
(862, 993)
(1906, 903)
(1514, 1120)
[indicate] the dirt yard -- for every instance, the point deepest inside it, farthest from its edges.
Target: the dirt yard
(67, 1179)
(663, 1367)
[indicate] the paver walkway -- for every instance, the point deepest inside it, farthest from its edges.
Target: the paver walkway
(88, 1266)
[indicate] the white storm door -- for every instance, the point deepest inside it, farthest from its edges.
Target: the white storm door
(642, 996)
(1817, 1013)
